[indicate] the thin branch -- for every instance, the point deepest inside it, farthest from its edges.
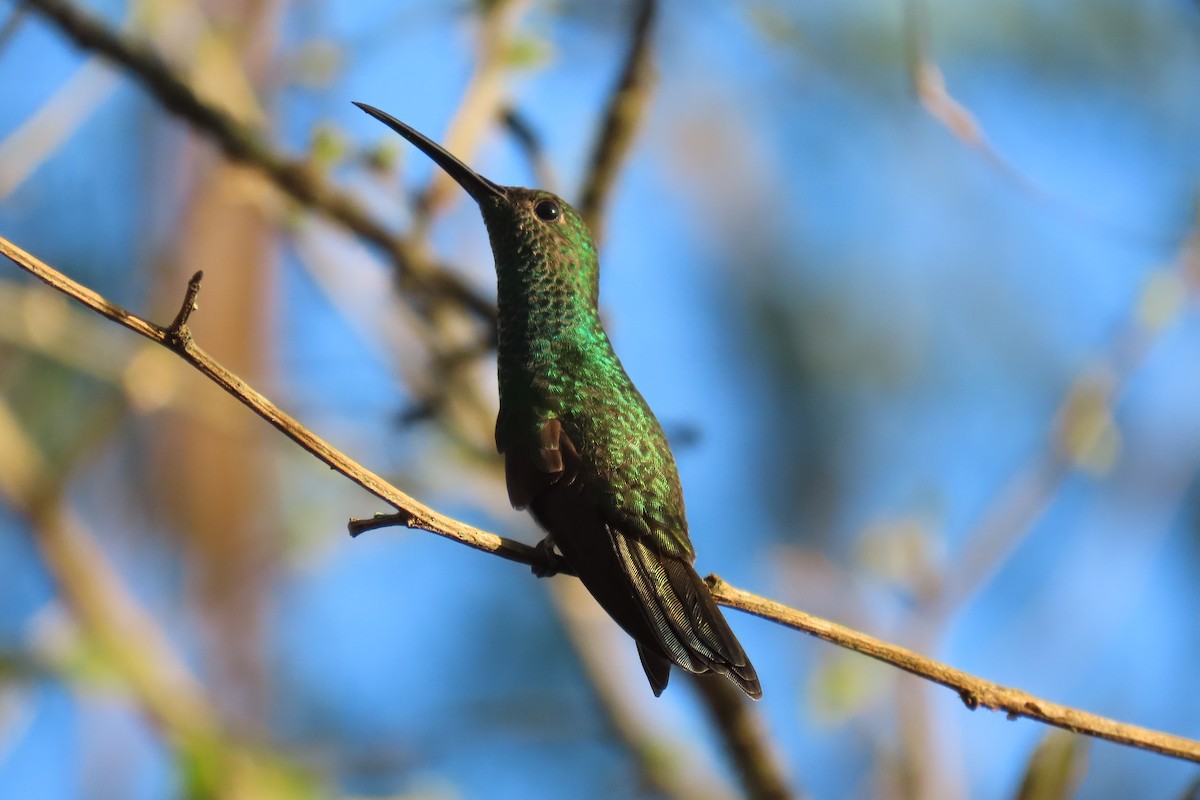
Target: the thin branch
(412, 513)
(975, 692)
(526, 137)
(243, 144)
(626, 106)
(188, 306)
(928, 84)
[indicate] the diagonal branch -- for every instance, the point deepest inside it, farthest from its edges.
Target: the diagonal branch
(626, 105)
(974, 691)
(243, 144)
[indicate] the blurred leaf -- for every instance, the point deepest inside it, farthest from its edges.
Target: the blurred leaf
(1162, 299)
(326, 146)
(528, 52)
(1056, 768)
(382, 158)
(78, 658)
(316, 64)
(903, 552)
(1087, 434)
(775, 26)
(213, 771)
(843, 685)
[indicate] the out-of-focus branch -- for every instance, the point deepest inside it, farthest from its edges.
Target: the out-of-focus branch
(527, 139)
(975, 692)
(12, 23)
(745, 737)
(411, 513)
(1084, 421)
(665, 763)
(483, 99)
(929, 84)
(40, 136)
(127, 637)
(736, 721)
(241, 143)
(626, 105)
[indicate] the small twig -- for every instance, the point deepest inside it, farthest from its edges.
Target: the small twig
(928, 84)
(400, 519)
(974, 691)
(625, 108)
(189, 305)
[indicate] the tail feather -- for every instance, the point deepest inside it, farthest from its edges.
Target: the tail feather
(691, 630)
(656, 597)
(658, 669)
(660, 606)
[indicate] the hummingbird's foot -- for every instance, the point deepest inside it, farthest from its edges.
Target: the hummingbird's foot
(549, 562)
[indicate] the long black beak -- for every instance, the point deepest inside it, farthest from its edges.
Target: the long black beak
(476, 185)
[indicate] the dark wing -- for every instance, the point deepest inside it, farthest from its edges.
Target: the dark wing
(656, 597)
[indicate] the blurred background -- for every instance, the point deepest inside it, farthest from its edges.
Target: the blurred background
(911, 286)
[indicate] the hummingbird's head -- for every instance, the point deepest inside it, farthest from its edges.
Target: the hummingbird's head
(528, 228)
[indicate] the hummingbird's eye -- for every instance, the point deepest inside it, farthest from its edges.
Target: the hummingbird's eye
(548, 211)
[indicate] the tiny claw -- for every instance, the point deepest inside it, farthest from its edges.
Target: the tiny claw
(547, 564)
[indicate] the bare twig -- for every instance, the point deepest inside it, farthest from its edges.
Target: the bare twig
(415, 514)
(626, 105)
(188, 306)
(241, 143)
(975, 692)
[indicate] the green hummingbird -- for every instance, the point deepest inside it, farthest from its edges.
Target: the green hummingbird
(582, 449)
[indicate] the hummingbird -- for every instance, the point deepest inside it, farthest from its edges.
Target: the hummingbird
(582, 450)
